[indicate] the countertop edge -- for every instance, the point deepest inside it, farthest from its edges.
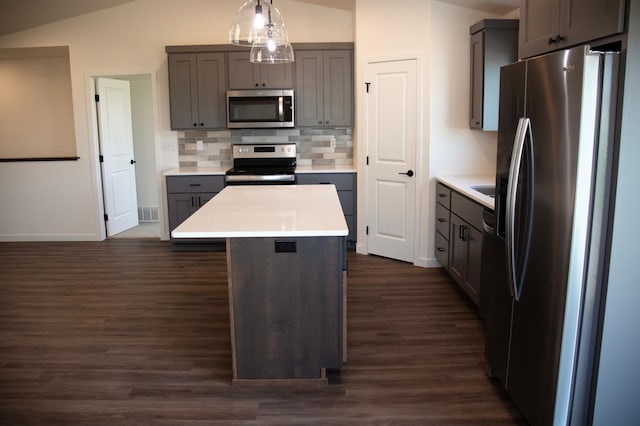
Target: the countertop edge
(463, 184)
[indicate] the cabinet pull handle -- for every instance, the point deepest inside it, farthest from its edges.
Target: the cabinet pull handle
(193, 201)
(442, 195)
(440, 249)
(464, 234)
(556, 39)
(194, 184)
(441, 220)
(195, 124)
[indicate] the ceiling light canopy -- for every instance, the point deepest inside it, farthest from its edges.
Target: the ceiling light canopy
(259, 25)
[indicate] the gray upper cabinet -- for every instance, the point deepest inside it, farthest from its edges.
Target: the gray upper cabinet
(245, 75)
(547, 25)
(324, 88)
(494, 43)
(197, 90)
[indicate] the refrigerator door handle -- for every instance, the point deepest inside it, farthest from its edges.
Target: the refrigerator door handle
(512, 189)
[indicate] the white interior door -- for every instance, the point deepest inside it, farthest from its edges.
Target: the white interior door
(392, 106)
(116, 147)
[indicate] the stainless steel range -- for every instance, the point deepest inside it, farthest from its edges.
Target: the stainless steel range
(263, 164)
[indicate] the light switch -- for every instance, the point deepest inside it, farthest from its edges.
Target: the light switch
(199, 145)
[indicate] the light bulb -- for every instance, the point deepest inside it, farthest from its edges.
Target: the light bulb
(258, 19)
(271, 45)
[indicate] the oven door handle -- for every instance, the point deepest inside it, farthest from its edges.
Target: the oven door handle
(261, 178)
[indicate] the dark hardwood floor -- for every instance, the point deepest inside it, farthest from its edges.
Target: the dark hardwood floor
(129, 332)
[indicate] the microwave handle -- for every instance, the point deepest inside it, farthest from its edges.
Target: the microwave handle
(281, 107)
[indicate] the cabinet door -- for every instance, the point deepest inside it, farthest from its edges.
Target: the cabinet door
(338, 88)
(474, 264)
(242, 73)
(245, 75)
(458, 251)
(276, 76)
(180, 207)
(183, 90)
(547, 25)
(477, 79)
(309, 88)
(211, 90)
(539, 22)
(587, 20)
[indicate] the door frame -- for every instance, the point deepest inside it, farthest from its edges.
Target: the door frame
(94, 143)
(364, 148)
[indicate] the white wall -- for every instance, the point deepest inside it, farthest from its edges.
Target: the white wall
(61, 200)
(437, 34)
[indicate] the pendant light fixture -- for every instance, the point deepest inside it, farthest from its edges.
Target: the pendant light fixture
(272, 55)
(259, 25)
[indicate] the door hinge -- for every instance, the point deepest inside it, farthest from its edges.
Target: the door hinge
(367, 230)
(367, 84)
(97, 98)
(101, 158)
(106, 217)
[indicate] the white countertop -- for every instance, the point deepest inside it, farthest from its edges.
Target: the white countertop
(178, 171)
(268, 211)
(327, 169)
(463, 185)
(186, 171)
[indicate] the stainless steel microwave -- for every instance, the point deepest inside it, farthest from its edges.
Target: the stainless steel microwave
(260, 109)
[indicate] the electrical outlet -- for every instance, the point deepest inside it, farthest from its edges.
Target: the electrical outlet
(199, 145)
(332, 142)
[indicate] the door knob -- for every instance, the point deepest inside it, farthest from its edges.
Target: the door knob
(408, 173)
(133, 161)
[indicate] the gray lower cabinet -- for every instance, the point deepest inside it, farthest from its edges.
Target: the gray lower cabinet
(245, 75)
(346, 186)
(324, 88)
(547, 25)
(185, 195)
(458, 241)
(197, 90)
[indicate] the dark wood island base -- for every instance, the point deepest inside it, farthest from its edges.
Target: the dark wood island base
(287, 307)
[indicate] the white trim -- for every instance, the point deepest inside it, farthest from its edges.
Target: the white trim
(47, 237)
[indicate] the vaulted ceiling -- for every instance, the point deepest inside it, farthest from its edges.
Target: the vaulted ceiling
(23, 14)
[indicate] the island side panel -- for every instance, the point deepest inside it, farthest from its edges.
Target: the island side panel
(287, 306)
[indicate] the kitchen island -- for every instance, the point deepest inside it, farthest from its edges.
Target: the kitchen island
(286, 266)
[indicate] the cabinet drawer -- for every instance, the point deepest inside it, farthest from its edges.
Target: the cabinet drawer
(466, 209)
(442, 251)
(443, 195)
(342, 181)
(442, 220)
(194, 183)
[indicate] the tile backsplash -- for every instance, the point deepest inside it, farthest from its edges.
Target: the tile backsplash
(316, 146)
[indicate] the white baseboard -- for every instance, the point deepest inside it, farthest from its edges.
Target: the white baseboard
(48, 237)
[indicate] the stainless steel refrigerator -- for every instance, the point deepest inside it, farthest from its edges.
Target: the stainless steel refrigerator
(540, 291)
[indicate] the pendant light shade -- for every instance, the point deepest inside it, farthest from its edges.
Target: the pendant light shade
(276, 55)
(258, 23)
